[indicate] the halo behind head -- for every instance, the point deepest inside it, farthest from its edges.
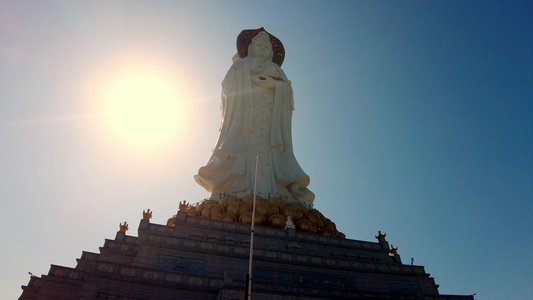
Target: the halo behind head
(245, 38)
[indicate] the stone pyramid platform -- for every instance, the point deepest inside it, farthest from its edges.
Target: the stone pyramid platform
(200, 258)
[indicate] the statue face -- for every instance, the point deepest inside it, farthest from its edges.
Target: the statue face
(261, 48)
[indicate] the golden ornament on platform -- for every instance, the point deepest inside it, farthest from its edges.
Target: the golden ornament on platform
(250, 199)
(271, 212)
(293, 212)
(225, 216)
(192, 211)
(303, 225)
(211, 210)
(247, 218)
(239, 208)
(328, 232)
(277, 221)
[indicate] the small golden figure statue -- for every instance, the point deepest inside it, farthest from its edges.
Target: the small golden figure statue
(147, 215)
(381, 237)
(393, 251)
(124, 227)
(183, 206)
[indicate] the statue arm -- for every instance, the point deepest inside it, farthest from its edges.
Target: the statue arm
(284, 76)
(236, 108)
(229, 79)
(288, 84)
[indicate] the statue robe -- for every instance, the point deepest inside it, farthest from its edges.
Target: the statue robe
(256, 122)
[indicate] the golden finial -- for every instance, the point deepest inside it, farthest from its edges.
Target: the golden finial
(184, 205)
(381, 237)
(393, 251)
(147, 215)
(124, 227)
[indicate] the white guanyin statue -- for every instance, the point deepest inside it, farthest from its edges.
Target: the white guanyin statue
(257, 105)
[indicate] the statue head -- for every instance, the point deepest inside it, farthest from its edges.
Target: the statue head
(261, 46)
(245, 39)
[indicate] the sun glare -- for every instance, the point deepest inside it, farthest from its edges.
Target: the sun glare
(143, 108)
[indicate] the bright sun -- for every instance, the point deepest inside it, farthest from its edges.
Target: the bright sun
(143, 108)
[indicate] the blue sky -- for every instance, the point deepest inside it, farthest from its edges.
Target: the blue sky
(412, 117)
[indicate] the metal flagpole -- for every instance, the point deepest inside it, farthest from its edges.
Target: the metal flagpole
(249, 275)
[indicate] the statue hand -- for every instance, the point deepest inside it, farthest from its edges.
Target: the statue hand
(264, 81)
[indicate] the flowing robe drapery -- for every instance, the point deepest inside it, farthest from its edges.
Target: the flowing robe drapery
(256, 122)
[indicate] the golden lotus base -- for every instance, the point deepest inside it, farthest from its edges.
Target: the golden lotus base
(271, 212)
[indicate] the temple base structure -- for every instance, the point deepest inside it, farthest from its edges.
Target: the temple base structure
(200, 258)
